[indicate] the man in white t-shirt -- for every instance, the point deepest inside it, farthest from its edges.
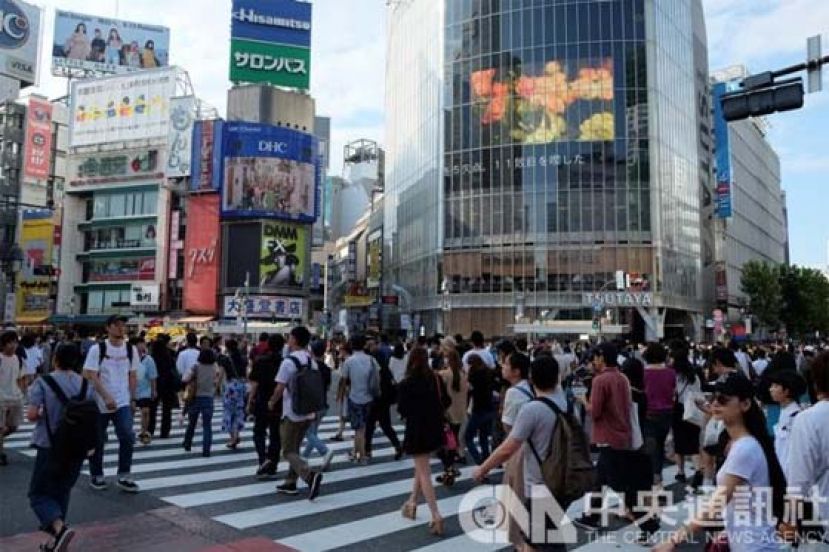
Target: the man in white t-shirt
(113, 374)
(11, 389)
(293, 427)
(808, 465)
(477, 340)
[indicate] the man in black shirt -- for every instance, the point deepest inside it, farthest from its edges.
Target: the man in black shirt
(266, 425)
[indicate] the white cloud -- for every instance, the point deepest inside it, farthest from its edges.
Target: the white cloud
(347, 67)
(754, 31)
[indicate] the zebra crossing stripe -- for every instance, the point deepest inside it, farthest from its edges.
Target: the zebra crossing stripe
(462, 542)
(325, 503)
(235, 473)
(259, 489)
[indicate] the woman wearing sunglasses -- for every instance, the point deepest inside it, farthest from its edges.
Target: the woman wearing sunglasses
(750, 470)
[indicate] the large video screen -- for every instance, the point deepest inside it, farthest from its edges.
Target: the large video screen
(270, 172)
(567, 100)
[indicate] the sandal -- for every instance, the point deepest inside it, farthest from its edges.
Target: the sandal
(409, 510)
(436, 527)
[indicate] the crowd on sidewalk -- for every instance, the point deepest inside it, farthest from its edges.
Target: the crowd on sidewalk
(561, 420)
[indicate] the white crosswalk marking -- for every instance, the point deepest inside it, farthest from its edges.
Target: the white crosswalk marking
(359, 506)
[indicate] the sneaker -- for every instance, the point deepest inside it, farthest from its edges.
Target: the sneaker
(287, 489)
(63, 539)
(696, 480)
(4, 460)
(338, 438)
(127, 485)
(326, 460)
(266, 470)
(364, 461)
(98, 483)
(314, 481)
(440, 478)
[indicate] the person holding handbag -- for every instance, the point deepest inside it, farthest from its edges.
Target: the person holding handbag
(201, 381)
(688, 386)
(422, 402)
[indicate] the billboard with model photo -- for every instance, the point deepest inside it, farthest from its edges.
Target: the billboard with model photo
(104, 45)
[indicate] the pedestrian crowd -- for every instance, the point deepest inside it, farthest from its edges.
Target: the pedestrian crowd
(558, 420)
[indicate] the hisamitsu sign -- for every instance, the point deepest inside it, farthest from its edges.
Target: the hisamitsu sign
(618, 299)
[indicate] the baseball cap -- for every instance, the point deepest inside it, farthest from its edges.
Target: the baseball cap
(112, 319)
(735, 384)
(792, 381)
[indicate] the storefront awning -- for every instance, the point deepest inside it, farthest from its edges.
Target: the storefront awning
(31, 320)
(80, 319)
(195, 320)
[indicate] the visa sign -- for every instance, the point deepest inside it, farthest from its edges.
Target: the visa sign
(14, 25)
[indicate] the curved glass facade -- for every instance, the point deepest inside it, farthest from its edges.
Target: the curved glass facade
(569, 151)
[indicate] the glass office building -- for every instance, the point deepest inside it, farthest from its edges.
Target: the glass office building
(537, 147)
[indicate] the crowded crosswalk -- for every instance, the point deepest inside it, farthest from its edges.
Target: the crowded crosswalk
(359, 507)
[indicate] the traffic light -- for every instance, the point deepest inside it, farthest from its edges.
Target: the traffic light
(769, 98)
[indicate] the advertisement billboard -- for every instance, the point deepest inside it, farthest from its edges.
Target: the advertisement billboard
(283, 255)
(93, 169)
(123, 269)
(374, 261)
(33, 290)
(270, 172)
(271, 43)
(201, 254)
(207, 156)
(117, 109)
(104, 45)
(180, 136)
(567, 100)
(19, 41)
(38, 147)
(265, 306)
(724, 175)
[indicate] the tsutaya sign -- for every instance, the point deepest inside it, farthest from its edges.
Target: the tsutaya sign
(618, 299)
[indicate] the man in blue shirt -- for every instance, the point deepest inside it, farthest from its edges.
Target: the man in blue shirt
(146, 391)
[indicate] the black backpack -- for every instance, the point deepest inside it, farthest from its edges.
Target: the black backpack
(77, 433)
(308, 390)
(102, 352)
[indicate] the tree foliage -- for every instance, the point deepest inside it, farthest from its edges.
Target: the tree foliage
(760, 282)
(793, 296)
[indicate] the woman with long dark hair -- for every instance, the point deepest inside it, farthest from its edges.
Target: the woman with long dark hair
(482, 409)
(168, 385)
(423, 399)
(688, 383)
(750, 467)
(234, 366)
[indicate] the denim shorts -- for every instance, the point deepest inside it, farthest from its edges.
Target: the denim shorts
(358, 414)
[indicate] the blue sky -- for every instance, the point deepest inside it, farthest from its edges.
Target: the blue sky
(348, 68)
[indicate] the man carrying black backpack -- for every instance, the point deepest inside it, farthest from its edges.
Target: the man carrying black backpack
(62, 405)
(300, 389)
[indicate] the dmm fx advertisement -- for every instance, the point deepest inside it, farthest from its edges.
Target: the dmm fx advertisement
(270, 172)
(271, 43)
(116, 109)
(284, 256)
(104, 45)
